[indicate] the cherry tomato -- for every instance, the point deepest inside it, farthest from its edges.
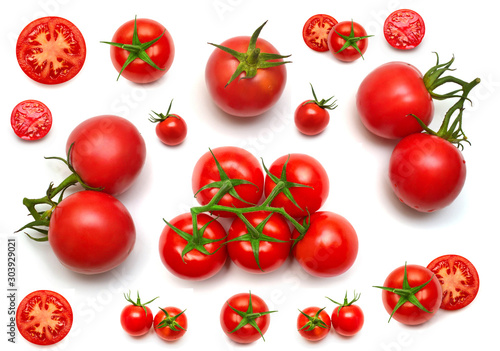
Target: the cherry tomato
(347, 318)
(51, 50)
(193, 265)
(237, 164)
(313, 323)
(311, 116)
(271, 237)
(108, 152)
(348, 41)
(136, 319)
(329, 247)
(387, 97)
(91, 232)
(404, 29)
(300, 169)
(316, 30)
(161, 52)
(252, 310)
(44, 317)
(429, 296)
(459, 280)
(170, 323)
(426, 172)
(31, 120)
(171, 128)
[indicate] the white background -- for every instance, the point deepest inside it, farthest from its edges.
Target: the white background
(389, 233)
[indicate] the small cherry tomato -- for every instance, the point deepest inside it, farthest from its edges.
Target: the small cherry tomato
(171, 128)
(31, 120)
(136, 319)
(347, 318)
(170, 323)
(404, 29)
(348, 41)
(316, 30)
(313, 323)
(311, 116)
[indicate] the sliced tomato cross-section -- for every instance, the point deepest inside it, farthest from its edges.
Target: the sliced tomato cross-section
(31, 120)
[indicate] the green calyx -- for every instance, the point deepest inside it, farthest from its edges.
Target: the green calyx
(252, 59)
(313, 321)
(346, 302)
(137, 50)
(325, 104)
(406, 294)
(138, 301)
(160, 117)
(249, 317)
(351, 40)
(170, 321)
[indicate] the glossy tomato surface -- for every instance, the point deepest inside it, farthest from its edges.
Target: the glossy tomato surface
(51, 50)
(310, 118)
(31, 120)
(336, 42)
(108, 152)
(243, 97)
(172, 131)
(91, 232)
(162, 52)
(136, 320)
(176, 330)
(404, 29)
(315, 31)
(426, 172)
(44, 317)
(348, 320)
(388, 96)
(318, 332)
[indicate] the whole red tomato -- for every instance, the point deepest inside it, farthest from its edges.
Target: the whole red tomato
(264, 248)
(313, 323)
(426, 172)
(251, 321)
(171, 128)
(108, 152)
(329, 247)
(193, 264)
(388, 96)
(260, 80)
(310, 188)
(134, 58)
(136, 319)
(236, 164)
(347, 318)
(311, 117)
(406, 283)
(348, 41)
(170, 323)
(91, 232)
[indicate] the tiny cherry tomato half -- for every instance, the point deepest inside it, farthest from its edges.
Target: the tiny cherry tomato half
(136, 319)
(44, 317)
(51, 50)
(313, 323)
(31, 120)
(315, 31)
(459, 280)
(404, 29)
(348, 41)
(312, 117)
(171, 128)
(347, 318)
(170, 323)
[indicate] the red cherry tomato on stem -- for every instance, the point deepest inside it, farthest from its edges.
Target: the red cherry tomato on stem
(171, 128)
(136, 319)
(313, 323)
(348, 41)
(31, 120)
(170, 323)
(347, 318)
(311, 116)
(315, 31)
(404, 29)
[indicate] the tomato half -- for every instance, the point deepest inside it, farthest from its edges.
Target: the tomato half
(459, 280)
(91, 232)
(404, 29)
(31, 120)
(388, 96)
(51, 50)
(44, 317)
(337, 40)
(170, 323)
(315, 31)
(313, 323)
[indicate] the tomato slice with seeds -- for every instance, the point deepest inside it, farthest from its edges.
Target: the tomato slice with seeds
(31, 120)
(404, 29)
(44, 317)
(459, 280)
(51, 50)
(316, 30)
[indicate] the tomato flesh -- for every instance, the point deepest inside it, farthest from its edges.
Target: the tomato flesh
(404, 29)
(316, 30)
(31, 120)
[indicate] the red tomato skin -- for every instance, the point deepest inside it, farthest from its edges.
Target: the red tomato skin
(317, 333)
(302, 169)
(166, 333)
(243, 97)
(229, 319)
(426, 172)
(430, 296)
(315, 31)
(336, 42)
(31, 120)
(349, 321)
(271, 255)
(311, 119)
(135, 321)
(404, 29)
(108, 152)
(196, 266)
(238, 164)
(36, 309)
(329, 247)
(172, 131)
(91, 232)
(161, 53)
(388, 95)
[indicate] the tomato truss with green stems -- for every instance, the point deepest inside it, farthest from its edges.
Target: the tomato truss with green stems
(346, 302)
(138, 302)
(323, 103)
(160, 117)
